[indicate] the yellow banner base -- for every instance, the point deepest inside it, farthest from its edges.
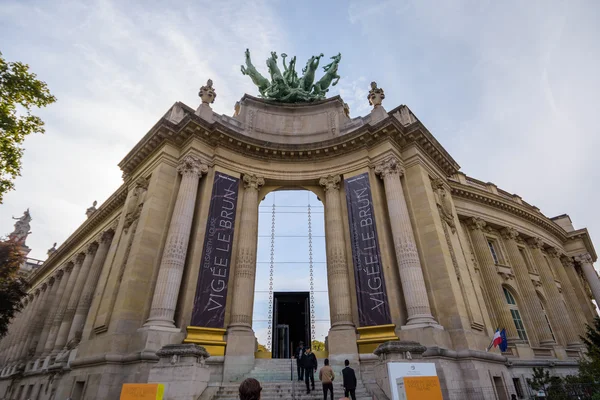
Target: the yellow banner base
(209, 338)
(373, 336)
(142, 391)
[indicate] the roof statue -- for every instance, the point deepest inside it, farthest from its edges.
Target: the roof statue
(287, 87)
(22, 226)
(91, 209)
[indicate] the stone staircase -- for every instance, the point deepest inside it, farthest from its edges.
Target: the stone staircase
(274, 377)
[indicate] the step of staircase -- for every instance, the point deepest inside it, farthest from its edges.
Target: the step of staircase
(289, 390)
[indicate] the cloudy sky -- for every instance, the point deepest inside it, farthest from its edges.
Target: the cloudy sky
(510, 89)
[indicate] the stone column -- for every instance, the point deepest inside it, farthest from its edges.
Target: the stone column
(22, 323)
(35, 315)
(91, 281)
(556, 309)
(407, 255)
(170, 273)
(38, 323)
(77, 288)
(245, 269)
(62, 277)
(590, 275)
(532, 309)
(62, 305)
(338, 280)
(584, 301)
(491, 280)
(575, 311)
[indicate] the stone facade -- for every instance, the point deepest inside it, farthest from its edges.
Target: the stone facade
(112, 304)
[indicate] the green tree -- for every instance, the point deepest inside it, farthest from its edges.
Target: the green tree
(540, 380)
(20, 91)
(589, 367)
(317, 345)
(12, 287)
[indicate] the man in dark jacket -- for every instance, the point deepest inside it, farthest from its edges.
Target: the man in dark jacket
(309, 362)
(298, 356)
(349, 380)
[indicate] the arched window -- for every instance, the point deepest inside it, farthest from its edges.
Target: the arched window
(516, 315)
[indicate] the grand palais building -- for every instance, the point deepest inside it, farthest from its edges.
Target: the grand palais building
(424, 263)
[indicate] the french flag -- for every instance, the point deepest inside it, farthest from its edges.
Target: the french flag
(497, 340)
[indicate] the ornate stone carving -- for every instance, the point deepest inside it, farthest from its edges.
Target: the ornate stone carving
(509, 233)
(207, 93)
(389, 166)
(136, 202)
(375, 95)
(191, 164)
(330, 182)
(536, 283)
(585, 258)
(22, 226)
(237, 108)
(184, 350)
(567, 262)
(92, 247)
(535, 243)
(443, 203)
(476, 224)
(553, 252)
(92, 209)
(252, 181)
(52, 249)
(507, 276)
(347, 110)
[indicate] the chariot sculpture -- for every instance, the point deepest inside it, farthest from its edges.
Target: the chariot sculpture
(287, 87)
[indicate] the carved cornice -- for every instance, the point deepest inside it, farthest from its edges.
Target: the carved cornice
(222, 134)
(481, 196)
(331, 182)
(98, 218)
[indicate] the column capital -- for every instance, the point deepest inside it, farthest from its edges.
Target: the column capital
(251, 181)
(553, 252)
(51, 280)
(330, 182)
(91, 248)
(389, 166)
(78, 259)
(567, 262)
(44, 286)
(59, 274)
(476, 224)
(535, 243)
(509, 233)
(106, 236)
(584, 258)
(191, 165)
(69, 266)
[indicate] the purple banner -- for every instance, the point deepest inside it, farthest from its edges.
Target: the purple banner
(213, 278)
(373, 305)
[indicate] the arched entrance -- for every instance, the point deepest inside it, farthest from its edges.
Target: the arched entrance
(291, 301)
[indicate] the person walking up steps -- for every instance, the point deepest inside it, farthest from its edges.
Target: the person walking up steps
(298, 356)
(349, 380)
(309, 362)
(326, 376)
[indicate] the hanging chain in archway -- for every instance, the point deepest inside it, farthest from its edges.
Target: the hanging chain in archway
(272, 265)
(312, 281)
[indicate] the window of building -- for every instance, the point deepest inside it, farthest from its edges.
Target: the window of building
(530, 267)
(547, 320)
(493, 251)
(516, 315)
(518, 387)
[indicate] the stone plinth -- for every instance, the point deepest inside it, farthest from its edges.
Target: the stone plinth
(292, 123)
(396, 351)
(182, 370)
